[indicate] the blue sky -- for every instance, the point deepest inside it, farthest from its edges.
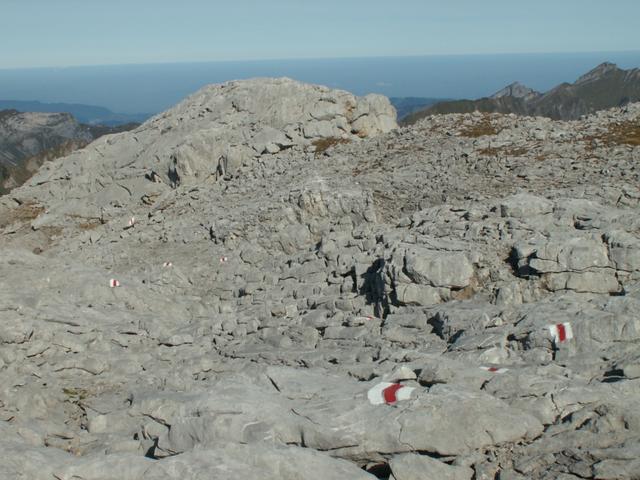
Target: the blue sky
(37, 33)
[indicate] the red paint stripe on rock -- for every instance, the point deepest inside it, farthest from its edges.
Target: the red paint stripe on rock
(562, 333)
(389, 393)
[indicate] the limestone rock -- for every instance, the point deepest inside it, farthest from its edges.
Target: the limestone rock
(438, 269)
(419, 467)
(272, 277)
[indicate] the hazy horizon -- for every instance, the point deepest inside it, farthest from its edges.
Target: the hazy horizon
(74, 32)
(295, 59)
(151, 88)
(147, 55)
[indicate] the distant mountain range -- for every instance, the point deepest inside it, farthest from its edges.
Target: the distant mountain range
(88, 114)
(407, 105)
(605, 86)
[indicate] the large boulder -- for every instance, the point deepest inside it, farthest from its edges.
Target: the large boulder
(426, 275)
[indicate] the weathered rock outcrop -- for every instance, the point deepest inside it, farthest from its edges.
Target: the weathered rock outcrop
(249, 286)
(219, 132)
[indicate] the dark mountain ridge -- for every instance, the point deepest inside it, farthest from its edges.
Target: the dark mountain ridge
(605, 86)
(407, 105)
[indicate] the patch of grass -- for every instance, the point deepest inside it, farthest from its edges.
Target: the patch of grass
(627, 133)
(323, 144)
(503, 151)
(481, 128)
(463, 294)
(518, 152)
(27, 211)
(89, 224)
(75, 394)
(84, 223)
(622, 133)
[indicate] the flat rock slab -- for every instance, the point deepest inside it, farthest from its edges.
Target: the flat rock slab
(421, 467)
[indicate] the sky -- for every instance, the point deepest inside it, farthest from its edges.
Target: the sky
(60, 33)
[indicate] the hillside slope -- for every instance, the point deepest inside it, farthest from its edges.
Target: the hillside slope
(23, 135)
(28, 139)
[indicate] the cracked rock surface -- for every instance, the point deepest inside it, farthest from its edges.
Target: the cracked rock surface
(280, 250)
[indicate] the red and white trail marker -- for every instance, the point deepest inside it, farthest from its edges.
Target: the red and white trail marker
(561, 332)
(167, 264)
(495, 369)
(389, 393)
(224, 259)
(113, 283)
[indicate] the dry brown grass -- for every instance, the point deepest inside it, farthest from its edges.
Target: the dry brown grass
(543, 156)
(627, 133)
(90, 224)
(622, 133)
(27, 211)
(503, 151)
(323, 144)
(75, 394)
(481, 128)
(22, 213)
(467, 292)
(84, 223)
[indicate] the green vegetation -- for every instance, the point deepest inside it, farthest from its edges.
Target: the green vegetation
(75, 394)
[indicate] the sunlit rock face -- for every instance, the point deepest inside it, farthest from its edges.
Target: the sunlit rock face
(271, 281)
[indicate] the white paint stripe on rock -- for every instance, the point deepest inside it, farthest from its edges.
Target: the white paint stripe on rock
(388, 393)
(561, 332)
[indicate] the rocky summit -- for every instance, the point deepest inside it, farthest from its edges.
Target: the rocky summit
(271, 280)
